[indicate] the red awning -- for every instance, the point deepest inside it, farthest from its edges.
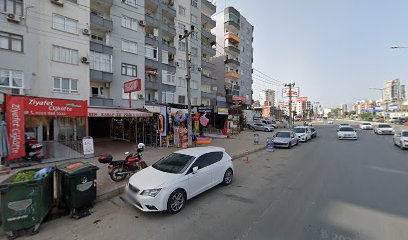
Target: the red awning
(116, 112)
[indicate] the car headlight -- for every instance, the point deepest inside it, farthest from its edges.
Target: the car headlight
(150, 192)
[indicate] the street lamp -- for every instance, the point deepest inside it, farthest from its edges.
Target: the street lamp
(382, 92)
(397, 46)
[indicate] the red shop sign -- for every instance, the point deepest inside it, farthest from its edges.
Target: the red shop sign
(132, 86)
(55, 107)
(15, 126)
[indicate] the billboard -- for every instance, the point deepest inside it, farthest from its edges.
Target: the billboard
(286, 93)
(302, 99)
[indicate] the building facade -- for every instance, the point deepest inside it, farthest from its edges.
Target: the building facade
(394, 91)
(267, 97)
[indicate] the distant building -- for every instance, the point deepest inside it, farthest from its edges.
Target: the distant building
(394, 91)
(267, 97)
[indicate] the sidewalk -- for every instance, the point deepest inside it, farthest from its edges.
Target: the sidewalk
(235, 147)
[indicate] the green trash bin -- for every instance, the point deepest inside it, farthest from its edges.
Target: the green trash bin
(77, 184)
(25, 204)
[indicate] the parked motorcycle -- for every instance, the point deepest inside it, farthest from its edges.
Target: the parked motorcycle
(33, 149)
(120, 169)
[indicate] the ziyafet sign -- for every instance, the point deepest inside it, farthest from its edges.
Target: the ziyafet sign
(134, 85)
(18, 107)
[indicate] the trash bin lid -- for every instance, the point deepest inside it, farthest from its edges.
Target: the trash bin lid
(76, 167)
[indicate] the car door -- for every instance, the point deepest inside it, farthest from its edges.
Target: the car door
(217, 167)
(293, 137)
(201, 180)
(258, 126)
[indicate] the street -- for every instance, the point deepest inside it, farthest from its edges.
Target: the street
(322, 189)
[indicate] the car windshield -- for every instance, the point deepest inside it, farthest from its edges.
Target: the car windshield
(344, 124)
(346, 129)
(299, 130)
(404, 134)
(283, 134)
(366, 123)
(384, 126)
(174, 163)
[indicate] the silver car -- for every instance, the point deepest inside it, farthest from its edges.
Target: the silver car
(259, 126)
(286, 139)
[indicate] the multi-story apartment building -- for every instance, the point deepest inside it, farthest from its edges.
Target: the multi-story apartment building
(267, 97)
(234, 58)
(394, 91)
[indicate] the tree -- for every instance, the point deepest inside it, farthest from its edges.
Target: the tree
(366, 115)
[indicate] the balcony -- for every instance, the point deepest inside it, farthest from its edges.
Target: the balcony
(208, 80)
(232, 62)
(100, 47)
(212, 95)
(207, 34)
(233, 24)
(169, 9)
(168, 46)
(232, 49)
(101, 23)
(100, 102)
(207, 20)
(207, 64)
(151, 40)
(106, 2)
(232, 37)
(151, 4)
(151, 20)
(232, 75)
(209, 5)
(208, 49)
(155, 85)
(99, 76)
(168, 27)
(150, 63)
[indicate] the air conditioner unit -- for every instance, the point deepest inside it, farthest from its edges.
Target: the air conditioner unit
(58, 2)
(107, 85)
(84, 60)
(13, 18)
(86, 31)
(140, 96)
(142, 23)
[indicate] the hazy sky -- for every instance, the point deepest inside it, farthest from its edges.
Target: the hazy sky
(333, 49)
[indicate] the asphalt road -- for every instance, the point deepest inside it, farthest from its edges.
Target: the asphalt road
(322, 189)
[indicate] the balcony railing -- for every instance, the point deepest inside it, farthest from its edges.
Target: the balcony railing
(168, 7)
(209, 5)
(208, 80)
(101, 102)
(233, 62)
(211, 37)
(232, 75)
(101, 22)
(100, 76)
(208, 49)
(207, 19)
(212, 95)
(233, 37)
(100, 47)
(207, 64)
(233, 49)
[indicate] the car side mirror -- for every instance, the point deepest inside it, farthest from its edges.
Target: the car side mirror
(126, 153)
(195, 170)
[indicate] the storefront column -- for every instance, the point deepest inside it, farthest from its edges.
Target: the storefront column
(86, 127)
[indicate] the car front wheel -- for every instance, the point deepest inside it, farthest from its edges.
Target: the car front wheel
(227, 177)
(176, 201)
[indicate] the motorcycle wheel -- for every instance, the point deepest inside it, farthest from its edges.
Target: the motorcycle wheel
(114, 174)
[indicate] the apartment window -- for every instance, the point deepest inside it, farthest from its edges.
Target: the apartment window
(182, 11)
(64, 24)
(129, 23)
(181, 28)
(182, 46)
(64, 55)
(194, 52)
(206, 88)
(101, 62)
(194, 19)
(194, 101)
(182, 82)
(151, 52)
(132, 3)
(12, 6)
(98, 91)
(169, 77)
(165, 57)
(11, 78)
(11, 41)
(168, 97)
(97, 38)
(181, 99)
(194, 35)
(194, 3)
(129, 70)
(129, 46)
(232, 17)
(182, 64)
(65, 85)
(194, 84)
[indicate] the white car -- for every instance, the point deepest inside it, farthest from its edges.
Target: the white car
(347, 133)
(330, 121)
(344, 125)
(401, 139)
(182, 175)
(384, 129)
(303, 132)
(366, 126)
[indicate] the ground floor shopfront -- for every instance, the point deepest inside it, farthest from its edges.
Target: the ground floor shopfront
(130, 125)
(57, 124)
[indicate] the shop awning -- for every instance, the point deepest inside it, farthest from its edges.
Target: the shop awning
(116, 112)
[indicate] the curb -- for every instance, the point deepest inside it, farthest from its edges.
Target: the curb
(121, 189)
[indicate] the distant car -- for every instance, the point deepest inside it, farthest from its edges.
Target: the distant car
(286, 139)
(344, 125)
(313, 131)
(260, 126)
(375, 120)
(303, 132)
(366, 126)
(394, 120)
(347, 133)
(401, 139)
(330, 121)
(384, 129)
(178, 177)
(270, 123)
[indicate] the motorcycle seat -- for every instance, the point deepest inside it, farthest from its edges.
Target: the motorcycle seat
(118, 162)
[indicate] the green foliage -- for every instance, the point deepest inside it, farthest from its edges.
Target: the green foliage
(366, 115)
(24, 176)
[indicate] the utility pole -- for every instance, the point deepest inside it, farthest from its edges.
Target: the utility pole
(188, 79)
(290, 85)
